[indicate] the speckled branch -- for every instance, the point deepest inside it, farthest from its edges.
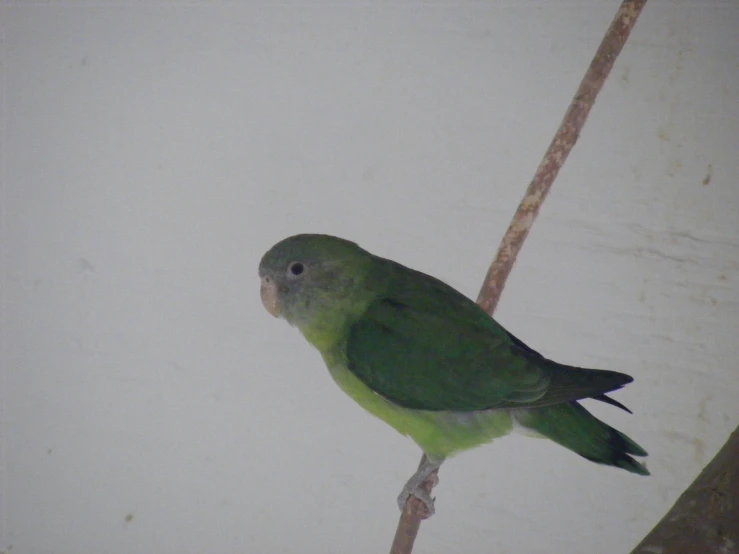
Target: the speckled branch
(560, 147)
(705, 518)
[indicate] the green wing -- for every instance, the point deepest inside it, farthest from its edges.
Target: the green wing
(425, 346)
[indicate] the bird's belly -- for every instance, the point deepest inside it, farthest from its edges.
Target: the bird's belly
(440, 433)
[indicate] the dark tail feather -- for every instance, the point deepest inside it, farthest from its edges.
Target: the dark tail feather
(572, 426)
(611, 401)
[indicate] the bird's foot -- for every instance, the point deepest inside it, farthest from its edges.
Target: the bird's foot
(417, 486)
(420, 493)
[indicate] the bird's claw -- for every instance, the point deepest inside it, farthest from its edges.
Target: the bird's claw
(420, 485)
(423, 496)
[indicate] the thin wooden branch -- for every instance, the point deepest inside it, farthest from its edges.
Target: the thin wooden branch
(705, 518)
(560, 147)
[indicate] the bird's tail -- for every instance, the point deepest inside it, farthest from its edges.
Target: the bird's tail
(572, 426)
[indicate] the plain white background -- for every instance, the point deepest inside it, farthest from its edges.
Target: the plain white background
(153, 152)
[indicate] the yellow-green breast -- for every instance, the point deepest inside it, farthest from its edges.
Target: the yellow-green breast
(439, 433)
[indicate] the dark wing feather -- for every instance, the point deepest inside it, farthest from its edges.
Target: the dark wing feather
(425, 346)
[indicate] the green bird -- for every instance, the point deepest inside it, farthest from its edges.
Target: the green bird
(430, 362)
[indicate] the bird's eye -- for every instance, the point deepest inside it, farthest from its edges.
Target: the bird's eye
(295, 269)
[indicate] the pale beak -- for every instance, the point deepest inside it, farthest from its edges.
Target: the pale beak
(268, 292)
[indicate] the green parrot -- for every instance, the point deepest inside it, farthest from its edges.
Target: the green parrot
(430, 362)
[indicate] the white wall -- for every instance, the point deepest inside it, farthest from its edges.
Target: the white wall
(151, 155)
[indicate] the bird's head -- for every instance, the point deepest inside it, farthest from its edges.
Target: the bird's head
(305, 276)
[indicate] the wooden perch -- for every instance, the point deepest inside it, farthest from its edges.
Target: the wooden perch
(560, 147)
(705, 519)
